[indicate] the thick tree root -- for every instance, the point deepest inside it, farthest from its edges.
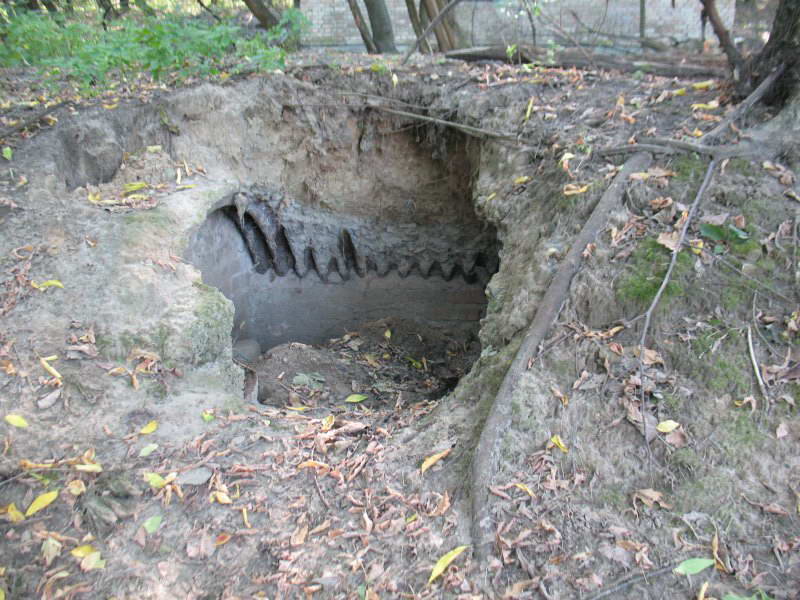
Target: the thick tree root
(487, 453)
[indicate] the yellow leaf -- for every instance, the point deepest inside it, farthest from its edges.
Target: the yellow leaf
(491, 196)
(83, 551)
(706, 105)
(155, 480)
(572, 189)
(525, 489)
(14, 514)
(90, 468)
(521, 180)
(530, 108)
(134, 187)
(41, 501)
(16, 420)
(327, 423)
(696, 133)
(433, 459)
(46, 284)
(395, 80)
(189, 186)
(703, 85)
(47, 367)
(221, 497)
(76, 487)
(559, 443)
(149, 428)
(92, 561)
(444, 562)
(387, 334)
(297, 408)
(679, 92)
(354, 398)
(667, 426)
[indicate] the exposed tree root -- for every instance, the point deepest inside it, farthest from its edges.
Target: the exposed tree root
(487, 453)
(745, 105)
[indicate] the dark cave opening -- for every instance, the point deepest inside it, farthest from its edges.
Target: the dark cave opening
(307, 274)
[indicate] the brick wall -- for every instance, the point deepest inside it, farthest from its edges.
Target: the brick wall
(503, 22)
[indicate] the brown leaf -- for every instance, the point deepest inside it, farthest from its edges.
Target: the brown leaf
(651, 357)
(676, 438)
(299, 535)
(442, 506)
(650, 497)
(669, 239)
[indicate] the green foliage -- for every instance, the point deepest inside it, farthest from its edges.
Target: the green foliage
(649, 264)
(167, 48)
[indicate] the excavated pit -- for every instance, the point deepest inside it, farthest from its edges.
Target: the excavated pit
(299, 271)
(308, 275)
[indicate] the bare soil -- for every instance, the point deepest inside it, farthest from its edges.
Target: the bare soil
(170, 484)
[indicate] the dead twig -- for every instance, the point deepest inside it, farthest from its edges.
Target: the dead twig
(468, 129)
(319, 491)
(712, 166)
(484, 464)
(762, 388)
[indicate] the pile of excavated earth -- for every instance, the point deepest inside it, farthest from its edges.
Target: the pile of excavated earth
(250, 333)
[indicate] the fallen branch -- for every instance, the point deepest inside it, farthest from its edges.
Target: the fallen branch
(468, 129)
(670, 146)
(484, 465)
(664, 282)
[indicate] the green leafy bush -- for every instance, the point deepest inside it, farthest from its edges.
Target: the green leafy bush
(167, 48)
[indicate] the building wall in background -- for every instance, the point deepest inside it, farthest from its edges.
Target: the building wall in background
(504, 22)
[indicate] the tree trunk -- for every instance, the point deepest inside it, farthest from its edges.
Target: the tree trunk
(267, 16)
(441, 35)
(642, 18)
(424, 47)
(734, 58)
(381, 23)
(783, 47)
(143, 6)
(361, 25)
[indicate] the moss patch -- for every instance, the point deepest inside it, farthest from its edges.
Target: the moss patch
(648, 264)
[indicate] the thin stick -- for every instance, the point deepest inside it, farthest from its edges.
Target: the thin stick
(664, 282)
(473, 131)
(756, 370)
